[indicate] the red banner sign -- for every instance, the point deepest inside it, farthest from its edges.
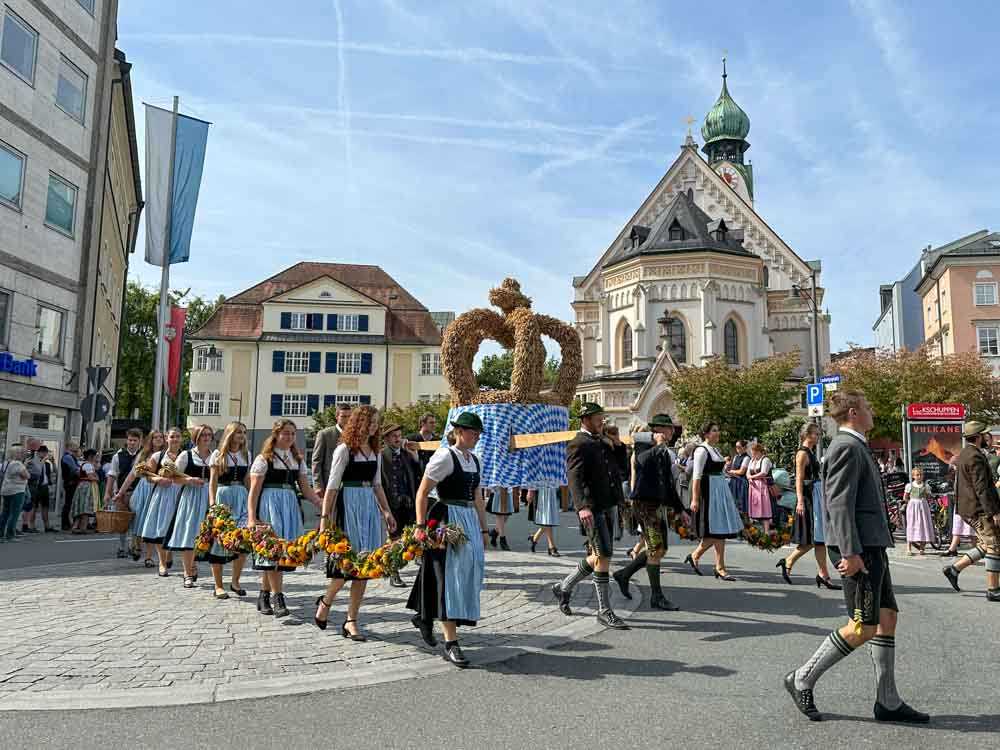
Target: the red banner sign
(174, 334)
(940, 412)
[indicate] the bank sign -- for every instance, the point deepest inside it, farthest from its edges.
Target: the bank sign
(25, 367)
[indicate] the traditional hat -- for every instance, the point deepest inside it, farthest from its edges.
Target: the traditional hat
(589, 409)
(468, 420)
(390, 428)
(972, 429)
(661, 420)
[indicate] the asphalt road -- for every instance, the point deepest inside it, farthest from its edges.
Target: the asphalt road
(709, 675)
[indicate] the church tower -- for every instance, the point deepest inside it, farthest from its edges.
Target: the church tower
(725, 131)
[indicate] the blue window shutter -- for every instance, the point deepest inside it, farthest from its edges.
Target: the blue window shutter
(365, 399)
(275, 404)
(328, 401)
(314, 361)
(286, 320)
(331, 322)
(316, 321)
(362, 322)
(277, 362)
(366, 363)
(331, 361)
(312, 404)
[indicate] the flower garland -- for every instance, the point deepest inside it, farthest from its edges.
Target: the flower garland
(769, 541)
(219, 526)
(676, 522)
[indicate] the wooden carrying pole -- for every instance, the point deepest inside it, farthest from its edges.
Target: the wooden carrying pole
(529, 440)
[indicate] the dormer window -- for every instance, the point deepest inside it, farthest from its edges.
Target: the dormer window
(719, 235)
(677, 233)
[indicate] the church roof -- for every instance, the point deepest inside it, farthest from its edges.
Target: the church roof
(698, 232)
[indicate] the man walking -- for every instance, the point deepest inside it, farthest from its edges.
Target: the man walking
(400, 470)
(70, 469)
(979, 506)
(426, 434)
(597, 491)
(857, 535)
(653, 491)
(326, 443)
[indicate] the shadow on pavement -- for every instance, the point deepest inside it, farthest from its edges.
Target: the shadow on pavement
(592, 667)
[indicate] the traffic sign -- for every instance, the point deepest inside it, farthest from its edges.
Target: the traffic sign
(830, 382)
(814, 394)
(100, 411)
(816, 410)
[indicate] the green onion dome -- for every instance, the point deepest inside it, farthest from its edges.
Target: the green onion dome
(725, 120)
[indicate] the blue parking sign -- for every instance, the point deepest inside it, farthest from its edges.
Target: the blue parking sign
(814, 394)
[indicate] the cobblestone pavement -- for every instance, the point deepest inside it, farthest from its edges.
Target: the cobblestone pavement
(111, 633)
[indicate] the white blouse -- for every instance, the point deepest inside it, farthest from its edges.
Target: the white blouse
(342, 457)
(761, 465)
(441, 466)
(233, 459)
(701, 458)
(182, 461)
(283, 459)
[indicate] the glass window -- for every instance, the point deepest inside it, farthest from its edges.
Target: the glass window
(986, 293)
(60, 210)
(49, 325)
(11, 175)
(296, 361)
(626, 346)
(38, 420)
(88, 5)
(18, 46)
(213, 404)
(298, 321)
(989, 341)
(347, 322)
(197, 403)
(430, 364)
(4, 313)
(676, 339)
(294, 405)
(71, 89)
(731, 342)
(353, 399)
(203, 360)
(349, 363)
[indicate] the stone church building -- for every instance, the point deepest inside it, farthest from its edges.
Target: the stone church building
(695, 273)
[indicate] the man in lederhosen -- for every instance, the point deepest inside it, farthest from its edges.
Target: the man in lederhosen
(857, 535)
(597, 491)
(400, 470)
(653, 492)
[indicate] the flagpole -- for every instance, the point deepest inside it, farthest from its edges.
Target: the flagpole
(159, 418)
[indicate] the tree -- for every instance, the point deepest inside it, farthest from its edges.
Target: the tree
(890, 380)
(782, 442)
(496, 369)
(743, 401)
(407, 417)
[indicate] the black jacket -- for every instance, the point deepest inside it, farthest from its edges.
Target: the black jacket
(410, 479)
(593, 473)
(654, 479)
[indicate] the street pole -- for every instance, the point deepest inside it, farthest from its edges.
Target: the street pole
(815, 342)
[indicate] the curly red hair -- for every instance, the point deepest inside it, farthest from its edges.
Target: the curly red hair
(356, 433)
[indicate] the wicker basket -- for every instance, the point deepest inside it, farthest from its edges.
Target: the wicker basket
(113, 521)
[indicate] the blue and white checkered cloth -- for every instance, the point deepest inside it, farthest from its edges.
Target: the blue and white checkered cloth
(527, 467)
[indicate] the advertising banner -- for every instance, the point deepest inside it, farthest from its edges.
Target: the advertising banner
(932, 445)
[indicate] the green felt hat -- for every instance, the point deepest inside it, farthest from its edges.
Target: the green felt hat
(589, 409)
(661, 420)
(468, 420)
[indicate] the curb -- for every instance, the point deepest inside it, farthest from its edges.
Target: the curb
(194, 694)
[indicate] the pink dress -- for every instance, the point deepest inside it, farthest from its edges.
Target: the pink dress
(919, 523)
(759, 497)
(960, 528)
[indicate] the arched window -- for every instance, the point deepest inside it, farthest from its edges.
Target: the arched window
(626, 345)
(731, 342)
(675, 338)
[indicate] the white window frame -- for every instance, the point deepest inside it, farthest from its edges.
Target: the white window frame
(20, 188)
(205, 363)
(348, 363)
(213, 404)
(58, 356)
(297, 362)
(991, 285)
(197, 403)
(348, 322)
(76, 197)
(993, 332)
(430, 363)
(298, 321)
(8, 13)
(294, 404)
(63, 60)
(352, 398)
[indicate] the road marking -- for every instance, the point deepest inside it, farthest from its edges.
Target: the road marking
(72, 541)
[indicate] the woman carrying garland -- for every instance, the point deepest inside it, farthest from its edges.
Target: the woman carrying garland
(355, 496)
(192, 504)
(163, 500)
(272, 502)
(715, 516)
(139, 501)
(228, 485)
(807, 530)
(544, 513)
(86, 496)
(451, 579)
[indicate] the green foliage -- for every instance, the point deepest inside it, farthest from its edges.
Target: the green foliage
(782, 441)
(743, 401)
(496, 369)
(408, 417)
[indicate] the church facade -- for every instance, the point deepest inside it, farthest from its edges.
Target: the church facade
(694, 274)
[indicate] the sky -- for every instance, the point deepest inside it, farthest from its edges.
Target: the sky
(456, 143)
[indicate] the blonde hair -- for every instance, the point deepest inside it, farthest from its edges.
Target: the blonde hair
(267, 450)
(228, 435)
(914, 470)
(198, 432)
(147, 449)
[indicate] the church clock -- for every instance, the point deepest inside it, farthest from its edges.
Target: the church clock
(735, 178)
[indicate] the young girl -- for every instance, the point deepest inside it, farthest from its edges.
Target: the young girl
(229, 486)
(919, 524)
(192, 502)
(86, 496)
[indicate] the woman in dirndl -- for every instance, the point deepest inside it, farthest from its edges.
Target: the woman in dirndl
(759, 494)
(451, 579)
(543, 511)
(192, 504)
(501, 504)
(86, 497)
(139, 500)
(715, 516)
(228, 485)
(737, 473)
(359, 506)
(162, 501)
(272, 502)
(807, 530)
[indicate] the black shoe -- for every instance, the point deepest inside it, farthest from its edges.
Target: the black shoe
(238, 592)
(993, 596)
(661, 602)
(827, 583)
(321, 624)
(785, 571)
(264, 603)
(395, 581)
(493, 537)
(426, 630)
(723, 576)
(356, 637)
(903, 715)
(135, 556)
(694, 566)
(120, 554)
(610, 620)
(280, 610)
(188, 582)
(622, 582)
(553, 552)
(533, 542)
(803, 699)
(563, 598)
(454, 655)
(503, 544)
(952, 575)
